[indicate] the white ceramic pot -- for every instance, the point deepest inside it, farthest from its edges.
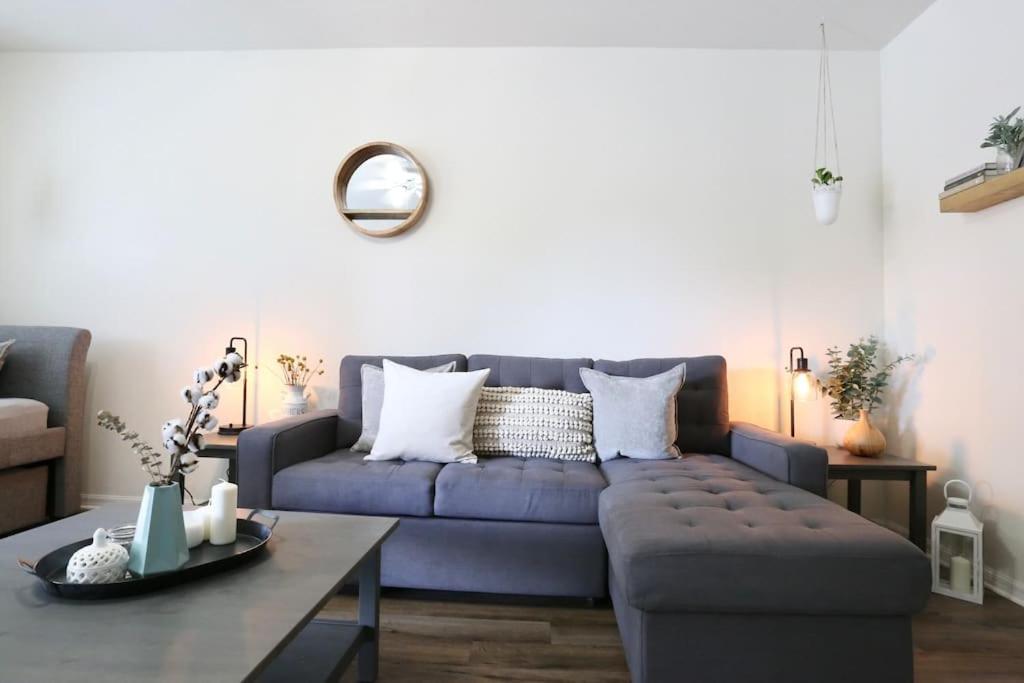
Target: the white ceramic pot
(1005, 161)
(826, 202)
(295, 400)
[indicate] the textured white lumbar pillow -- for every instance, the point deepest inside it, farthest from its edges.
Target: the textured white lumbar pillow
(635, 417)
(427, 415)
(528, 422)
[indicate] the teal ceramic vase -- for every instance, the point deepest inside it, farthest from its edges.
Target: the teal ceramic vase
(159, 544)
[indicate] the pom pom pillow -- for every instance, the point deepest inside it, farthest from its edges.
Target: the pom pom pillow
(427, 415)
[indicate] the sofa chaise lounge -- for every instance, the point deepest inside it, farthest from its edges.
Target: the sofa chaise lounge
(725, 565)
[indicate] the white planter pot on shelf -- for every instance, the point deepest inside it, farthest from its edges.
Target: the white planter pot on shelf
(826, 202)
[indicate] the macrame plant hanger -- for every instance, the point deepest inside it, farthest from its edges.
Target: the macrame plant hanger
(827, 180)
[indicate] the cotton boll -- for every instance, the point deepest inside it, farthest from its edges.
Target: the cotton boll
(170, 427)
(189, 463)
(224, 367)
(173, 447)
(186, 394)
(203, 375)
(235, 358)
(233, 377)
(178, 438)
(206, 420)
(209, 400)
(196, 443)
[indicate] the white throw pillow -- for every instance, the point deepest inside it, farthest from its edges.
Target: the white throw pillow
(427, 415)
(372, 379)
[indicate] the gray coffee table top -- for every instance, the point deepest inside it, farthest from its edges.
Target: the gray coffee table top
(224, 627)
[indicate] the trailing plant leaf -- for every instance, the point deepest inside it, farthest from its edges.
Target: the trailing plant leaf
(823, 176)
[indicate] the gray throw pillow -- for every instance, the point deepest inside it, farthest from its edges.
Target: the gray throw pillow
(372, 378)
(635, 417)
(5, 346)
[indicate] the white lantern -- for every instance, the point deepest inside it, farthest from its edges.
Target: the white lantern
(956, 549)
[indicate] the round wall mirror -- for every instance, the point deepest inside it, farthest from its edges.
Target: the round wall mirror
(380, 189)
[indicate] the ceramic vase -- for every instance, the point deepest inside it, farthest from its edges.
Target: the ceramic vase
(826, 202)
(159, 544)
(295, 400)
(864, 438)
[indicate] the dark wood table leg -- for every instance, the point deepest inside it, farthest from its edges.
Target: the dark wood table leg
(918, 521)
(369, 615)
(853, 495)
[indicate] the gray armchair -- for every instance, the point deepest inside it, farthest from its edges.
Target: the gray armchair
(40, 474)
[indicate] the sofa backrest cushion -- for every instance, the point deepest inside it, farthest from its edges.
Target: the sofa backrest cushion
(525, 371)
(702, 404)
(350, 396)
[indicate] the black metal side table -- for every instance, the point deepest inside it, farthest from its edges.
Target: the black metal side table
(225, 447)
(854, 469)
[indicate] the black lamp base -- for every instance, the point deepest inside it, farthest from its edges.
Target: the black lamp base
(231, 429)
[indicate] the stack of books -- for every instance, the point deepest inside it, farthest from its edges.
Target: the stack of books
(968, 179)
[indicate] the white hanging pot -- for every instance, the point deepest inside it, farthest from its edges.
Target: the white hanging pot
(826, 202)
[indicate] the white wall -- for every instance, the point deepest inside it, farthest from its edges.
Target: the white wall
(604, 202)
(953, 282)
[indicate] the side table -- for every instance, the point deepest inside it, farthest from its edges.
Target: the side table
(225, 447)
(854, 469)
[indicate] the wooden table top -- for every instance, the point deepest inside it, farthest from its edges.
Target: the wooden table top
(224, 627)
(840, 459)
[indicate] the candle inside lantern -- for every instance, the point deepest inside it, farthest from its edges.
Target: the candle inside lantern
(223, 513)
(197, 526)
(960, 574)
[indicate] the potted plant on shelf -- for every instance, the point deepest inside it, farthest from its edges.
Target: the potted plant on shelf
(855, 384)
(296, 373)
(1007, 137)
(826, 189)
(159, 544)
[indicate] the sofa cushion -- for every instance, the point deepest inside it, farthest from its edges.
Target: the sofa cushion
(706, 533)
(343, 482)
(702, 404)
(22, 417)
(520, 489)
(525, 371)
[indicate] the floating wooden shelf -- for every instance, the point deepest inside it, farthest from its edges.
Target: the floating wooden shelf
(991, 192)
(377, 214)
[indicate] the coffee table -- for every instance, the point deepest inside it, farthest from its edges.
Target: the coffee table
(255, 622)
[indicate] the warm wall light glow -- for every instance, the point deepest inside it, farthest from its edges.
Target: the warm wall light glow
(804, 388)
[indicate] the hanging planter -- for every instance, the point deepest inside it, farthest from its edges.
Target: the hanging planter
(827, 181)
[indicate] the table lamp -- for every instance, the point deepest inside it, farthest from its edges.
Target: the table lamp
(801, 385)
(231, 428)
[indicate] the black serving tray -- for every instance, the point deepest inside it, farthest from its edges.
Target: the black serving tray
(203, 560)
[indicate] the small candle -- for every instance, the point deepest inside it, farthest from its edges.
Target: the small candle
(197, 526)
(223, 513)
(960, 574)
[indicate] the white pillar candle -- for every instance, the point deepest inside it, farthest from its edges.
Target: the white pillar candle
(960, 574)
(223, 513)
(197, 527)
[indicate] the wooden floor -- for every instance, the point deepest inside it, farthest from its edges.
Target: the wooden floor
(427, 640)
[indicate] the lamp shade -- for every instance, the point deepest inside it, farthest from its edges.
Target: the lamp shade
(804, 384)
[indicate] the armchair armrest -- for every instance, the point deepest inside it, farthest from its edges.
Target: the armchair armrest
(780, 457)
(268, 448)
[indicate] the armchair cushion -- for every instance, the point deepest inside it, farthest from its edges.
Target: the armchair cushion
(780, 457)
(21, 417)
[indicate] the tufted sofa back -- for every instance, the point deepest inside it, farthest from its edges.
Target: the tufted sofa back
(703, 403)
(350, 396)
(524, 371)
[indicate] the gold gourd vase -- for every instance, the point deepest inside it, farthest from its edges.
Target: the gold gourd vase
(864, 438)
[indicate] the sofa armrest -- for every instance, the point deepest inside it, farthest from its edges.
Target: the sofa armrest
(268, 448)
(780, 457)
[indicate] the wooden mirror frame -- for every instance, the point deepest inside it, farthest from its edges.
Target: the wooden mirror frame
(349, 165)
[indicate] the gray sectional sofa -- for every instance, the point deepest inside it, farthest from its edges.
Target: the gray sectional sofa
(726, 565)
